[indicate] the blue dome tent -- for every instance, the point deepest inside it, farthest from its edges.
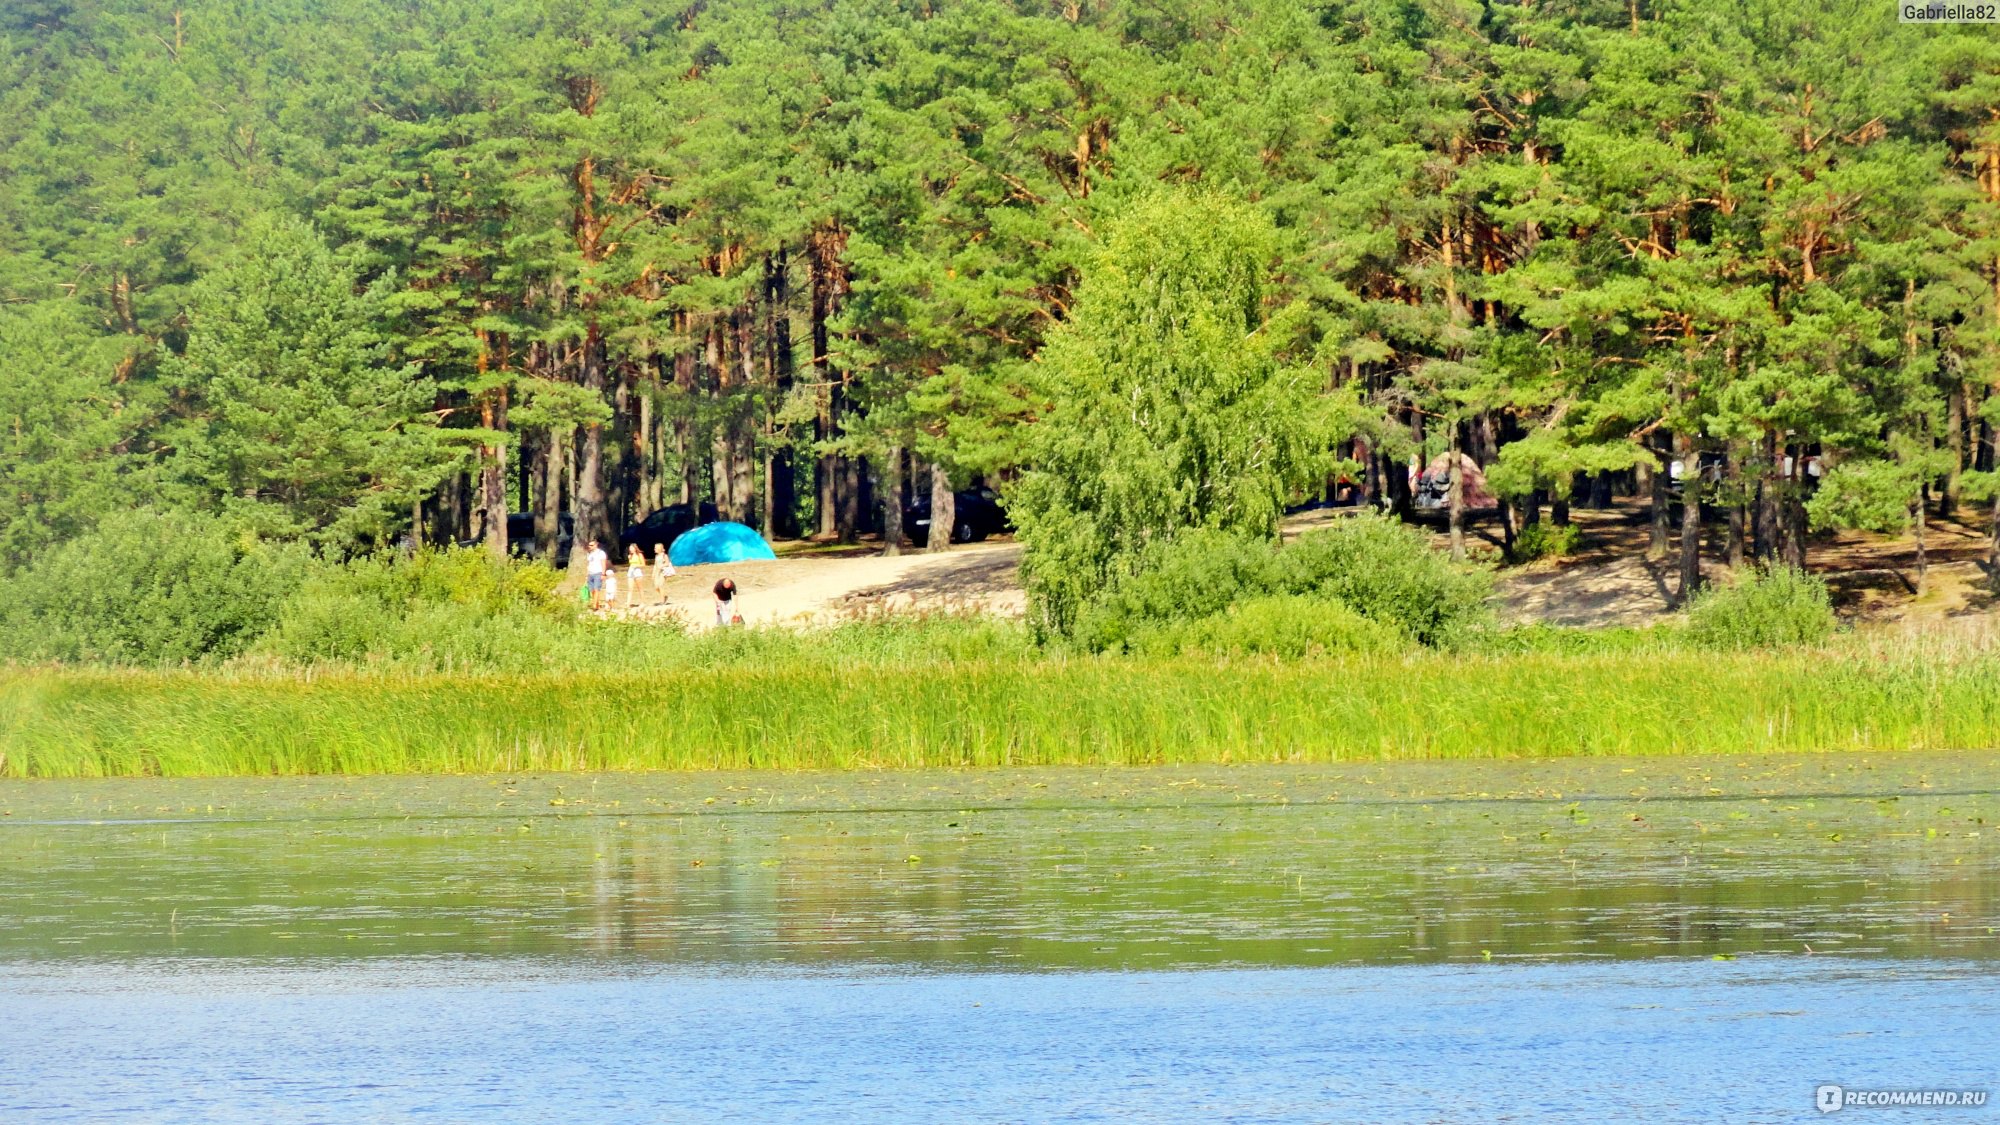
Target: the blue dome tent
(718, 543)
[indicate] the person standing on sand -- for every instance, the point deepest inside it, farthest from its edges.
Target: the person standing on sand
(725, 603)
(635, 569)
(594, 566)
(663, 569)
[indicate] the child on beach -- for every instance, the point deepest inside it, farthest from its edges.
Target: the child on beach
(663, 569)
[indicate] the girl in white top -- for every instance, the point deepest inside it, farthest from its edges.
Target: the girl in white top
(635, 569)
(663, 569)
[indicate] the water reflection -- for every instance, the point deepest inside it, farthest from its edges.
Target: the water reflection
(1883, 856)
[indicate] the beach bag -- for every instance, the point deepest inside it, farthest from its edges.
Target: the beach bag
(583, 595)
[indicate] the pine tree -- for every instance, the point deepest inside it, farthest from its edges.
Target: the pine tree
(293, 415)
(68, 427)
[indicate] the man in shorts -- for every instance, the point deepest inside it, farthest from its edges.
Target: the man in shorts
(594, 567)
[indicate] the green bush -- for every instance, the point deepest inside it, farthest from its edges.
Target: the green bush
(1387, 572)
(148, 588)
(1773, 607)
(1195, 575)
(1375, 567)
(1545, 540)
(465, 577)
(1283, 625)
(437, 609)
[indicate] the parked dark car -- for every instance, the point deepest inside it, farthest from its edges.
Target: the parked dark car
(521, 536)
(665, 525)
(977, 514)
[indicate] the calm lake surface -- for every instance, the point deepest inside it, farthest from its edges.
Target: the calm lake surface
(1672, 939)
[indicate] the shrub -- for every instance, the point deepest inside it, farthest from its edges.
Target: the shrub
(1545, 541)
(1772, 607)
(1284, 625)
(1375, 567)
(1198, 574)
(1389, 573)
(443, 609)
(150, 588)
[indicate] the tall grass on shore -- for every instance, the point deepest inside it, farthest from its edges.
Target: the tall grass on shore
(899, 712)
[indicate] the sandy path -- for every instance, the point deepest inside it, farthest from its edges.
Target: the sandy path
(802, 590)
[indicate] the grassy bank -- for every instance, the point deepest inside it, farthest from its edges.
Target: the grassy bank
(896, 713)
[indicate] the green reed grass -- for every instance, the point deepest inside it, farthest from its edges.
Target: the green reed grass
(906, 713)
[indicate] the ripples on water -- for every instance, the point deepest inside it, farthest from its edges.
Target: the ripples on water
(1415, 941)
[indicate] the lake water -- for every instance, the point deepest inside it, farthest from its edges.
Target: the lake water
(1679, 939)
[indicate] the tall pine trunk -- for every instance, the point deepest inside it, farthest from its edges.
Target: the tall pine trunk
(684, 382)
(716, 376)
(848, 519)
(493, 472)
(592, 520)
(1738, 510)
(587, 230)
(742, 443)
(892, 502)
(1948, 498)
(1792, 511)
(838, 511)
(1455, 495)
(1663, 514)
(944, 510)
(1690, 515)
(1923, 555)
(548, 495)
(826, 479)
(1769, 491)
(645, 444)
(780, 475)
(621, 474)
(451, 510)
